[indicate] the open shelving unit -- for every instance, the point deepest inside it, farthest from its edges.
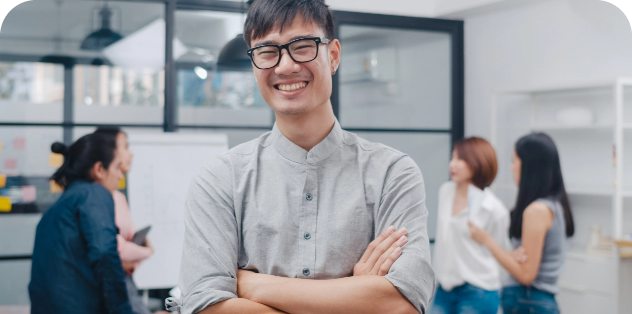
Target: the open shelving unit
(592, 156)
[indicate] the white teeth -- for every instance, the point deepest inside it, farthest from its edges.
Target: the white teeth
(292, 87)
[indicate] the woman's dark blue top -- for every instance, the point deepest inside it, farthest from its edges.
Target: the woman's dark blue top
(76, 267)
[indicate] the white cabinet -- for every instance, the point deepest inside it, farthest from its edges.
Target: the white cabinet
(586, 284)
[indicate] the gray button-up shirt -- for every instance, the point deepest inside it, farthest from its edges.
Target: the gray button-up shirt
(269, 205)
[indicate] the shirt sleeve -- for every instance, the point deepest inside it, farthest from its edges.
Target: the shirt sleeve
(96, 221)
(499, 229)
(208, 274)
(403, 205)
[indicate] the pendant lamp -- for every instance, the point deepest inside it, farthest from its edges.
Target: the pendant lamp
(56, 56)
(104, 36)
(233, 56)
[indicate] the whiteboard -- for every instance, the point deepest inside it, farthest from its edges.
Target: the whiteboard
(157, 184)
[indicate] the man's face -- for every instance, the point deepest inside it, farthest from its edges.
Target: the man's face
(293, 88)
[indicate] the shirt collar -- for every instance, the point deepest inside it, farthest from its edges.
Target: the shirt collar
(318, 153)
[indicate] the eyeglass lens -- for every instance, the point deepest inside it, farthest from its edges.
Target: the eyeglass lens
(301, 51)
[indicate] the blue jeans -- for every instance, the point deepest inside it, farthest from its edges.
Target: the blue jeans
(527, 300)
(465, 299)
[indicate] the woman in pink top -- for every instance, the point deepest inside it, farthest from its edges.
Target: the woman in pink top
(131, 253)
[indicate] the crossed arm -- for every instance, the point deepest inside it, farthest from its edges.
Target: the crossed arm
(366, 292)
(211, 282)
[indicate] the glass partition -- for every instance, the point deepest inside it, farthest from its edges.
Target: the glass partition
(31, 92)
(208, 95)
(395, 78)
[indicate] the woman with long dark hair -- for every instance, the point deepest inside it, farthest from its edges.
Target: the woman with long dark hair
(540, 223)
(76, 267)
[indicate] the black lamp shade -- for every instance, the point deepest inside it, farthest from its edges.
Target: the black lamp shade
(100, 39)
(233, 56)
(67, 61)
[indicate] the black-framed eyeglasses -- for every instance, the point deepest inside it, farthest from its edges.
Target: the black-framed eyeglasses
(300, 50)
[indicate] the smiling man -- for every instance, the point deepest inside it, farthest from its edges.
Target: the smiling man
(307, 200)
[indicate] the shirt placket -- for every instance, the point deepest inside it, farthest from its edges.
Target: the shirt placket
(307, 224)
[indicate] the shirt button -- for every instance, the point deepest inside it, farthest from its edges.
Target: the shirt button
(308, 197)
(307, 236)
(305, 272)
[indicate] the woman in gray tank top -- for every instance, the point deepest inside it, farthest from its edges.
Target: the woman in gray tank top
(540, 224)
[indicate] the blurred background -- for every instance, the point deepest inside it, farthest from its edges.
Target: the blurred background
(416, 75)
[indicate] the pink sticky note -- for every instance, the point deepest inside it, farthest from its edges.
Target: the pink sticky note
(10, 163)
(29, 193)
(19, 143)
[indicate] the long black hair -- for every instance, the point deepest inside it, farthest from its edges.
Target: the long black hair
(540, 177)
(81, 156)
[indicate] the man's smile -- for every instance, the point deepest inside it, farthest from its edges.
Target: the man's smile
(290, 87)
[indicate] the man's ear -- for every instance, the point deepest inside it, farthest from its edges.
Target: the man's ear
(334, 55)
(98, 171)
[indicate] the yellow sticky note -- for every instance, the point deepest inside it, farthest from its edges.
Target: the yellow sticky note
(3, 181)
(122, 184)
(5, 204)
(55, 160)
(55, 188)
(0, 147)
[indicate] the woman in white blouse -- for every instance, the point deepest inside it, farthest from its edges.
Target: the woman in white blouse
(467, 273)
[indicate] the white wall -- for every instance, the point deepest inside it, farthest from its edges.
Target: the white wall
(546, 42)
(423, 8)
(446, 7)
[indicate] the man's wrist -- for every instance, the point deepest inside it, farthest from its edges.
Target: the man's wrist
(264, 286)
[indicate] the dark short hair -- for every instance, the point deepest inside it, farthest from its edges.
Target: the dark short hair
(266, 15)
(480, 157)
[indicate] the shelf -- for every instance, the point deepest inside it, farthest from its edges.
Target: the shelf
(568, 86)
(571, 190)
(588, 257)
(560, 87)
(574, 128)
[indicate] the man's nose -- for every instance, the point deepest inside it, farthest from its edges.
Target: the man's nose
(287, 65)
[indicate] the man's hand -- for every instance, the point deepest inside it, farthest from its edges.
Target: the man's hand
(381, 253)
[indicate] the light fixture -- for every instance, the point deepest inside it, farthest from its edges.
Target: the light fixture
(233, 56)
(56, 56)
(104, 36)
(201, 72)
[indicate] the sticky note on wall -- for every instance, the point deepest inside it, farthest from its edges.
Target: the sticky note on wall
(19, 143)
(55, 188)
(55, 160)
(10, 163)
(5, 204)
(29, 194)
(0, 147)
(3, 181)
(122, 184)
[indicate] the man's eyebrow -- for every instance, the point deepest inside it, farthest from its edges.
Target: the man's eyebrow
(274, 42)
